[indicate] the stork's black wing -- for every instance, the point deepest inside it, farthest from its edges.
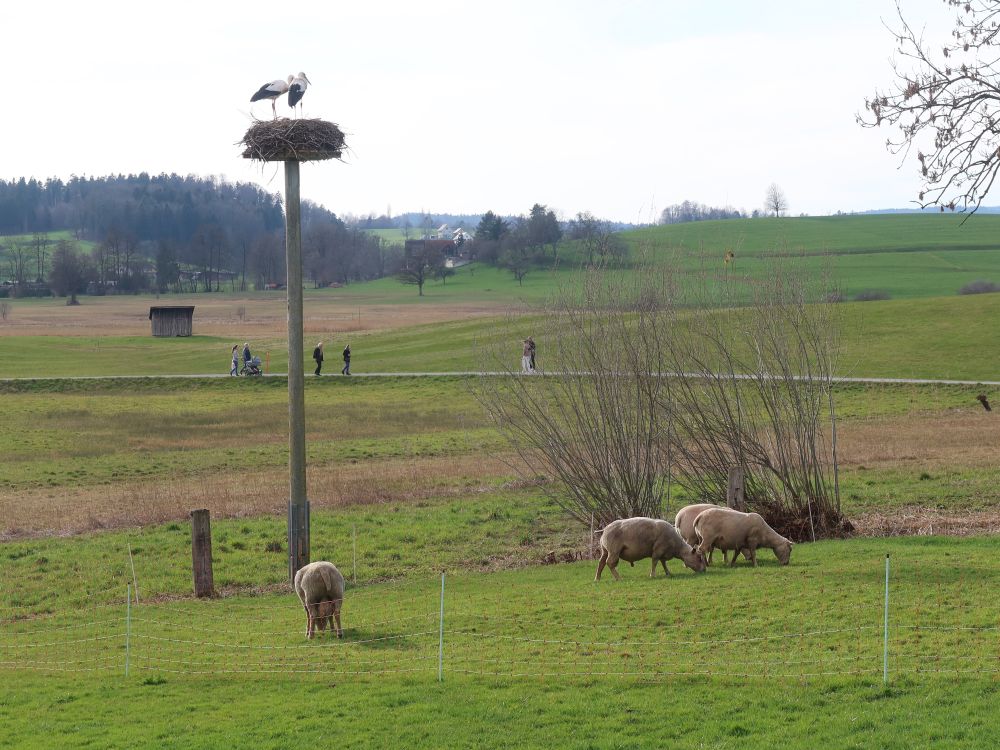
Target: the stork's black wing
(295, 94)
(267, 91)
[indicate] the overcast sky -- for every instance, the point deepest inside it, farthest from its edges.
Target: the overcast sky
(619, 108)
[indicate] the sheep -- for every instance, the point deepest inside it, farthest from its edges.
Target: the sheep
(320, 587)
(730, 529)
(684, 523)
(632, 539)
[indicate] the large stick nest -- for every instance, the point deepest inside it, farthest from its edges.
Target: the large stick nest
(301, 140)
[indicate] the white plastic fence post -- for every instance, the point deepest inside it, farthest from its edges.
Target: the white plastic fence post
(441, 634)
(354, 547)
(128, 624)
(885, 636)
(135, 583)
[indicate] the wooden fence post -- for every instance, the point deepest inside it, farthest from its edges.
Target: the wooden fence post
(735, 490)
(201, 553)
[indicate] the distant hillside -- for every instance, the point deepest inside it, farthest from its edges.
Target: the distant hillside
(880, 255)
(831, 234)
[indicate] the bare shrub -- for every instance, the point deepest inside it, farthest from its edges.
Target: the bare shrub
(754, 391)
(596, 422)
(241, 313)
(979, 287)
(650, 381)
(4, 310)
(871, 295)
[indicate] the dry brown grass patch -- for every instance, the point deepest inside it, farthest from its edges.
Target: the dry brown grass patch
(918, 521)
(219, 315)
(242, 494)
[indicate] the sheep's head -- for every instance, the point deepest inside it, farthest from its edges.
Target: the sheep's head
(324, 611)
(694, 559)
(783, 551)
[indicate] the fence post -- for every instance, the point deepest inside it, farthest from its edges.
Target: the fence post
(885, 635)
(736, 488)
(128, 625)
(201, 553)
(354, 548)
(441, 634)
(135, 583)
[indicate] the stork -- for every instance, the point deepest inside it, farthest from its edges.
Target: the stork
(272, 91)
(297, 89)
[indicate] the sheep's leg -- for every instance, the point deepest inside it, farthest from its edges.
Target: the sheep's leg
(336, 614)
(601, 563)
(725, 556)
(663, 562)
(613, 566)
(736, 556)
(753, 556)
(652, 573)
(311, 628)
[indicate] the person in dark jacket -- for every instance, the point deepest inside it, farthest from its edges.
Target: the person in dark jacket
(347, 360)
(318, 356)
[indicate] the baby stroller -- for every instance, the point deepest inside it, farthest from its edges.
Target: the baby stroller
(251, 367)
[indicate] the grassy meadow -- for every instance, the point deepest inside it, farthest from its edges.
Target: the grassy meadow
(407, 478)
(943, 337)
(553, 657)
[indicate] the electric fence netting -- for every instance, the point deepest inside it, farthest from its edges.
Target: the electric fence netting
(745, 624)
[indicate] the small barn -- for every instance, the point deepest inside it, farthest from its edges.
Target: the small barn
(172, 320)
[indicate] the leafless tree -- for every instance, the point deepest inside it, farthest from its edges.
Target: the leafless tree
(40, 243)
(419, 266)
(774, 200)
(755, 392)
(593, 420)
(17, 263)
(651, 382)
(945, 104)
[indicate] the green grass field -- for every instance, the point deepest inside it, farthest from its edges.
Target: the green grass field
(408, 479)
(26, 240)
(943, 337)
(544, 652)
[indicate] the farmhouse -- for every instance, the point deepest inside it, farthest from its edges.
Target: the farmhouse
(171, 320)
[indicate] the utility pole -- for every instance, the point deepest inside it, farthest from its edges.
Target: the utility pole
(294, 141)
(298, 503)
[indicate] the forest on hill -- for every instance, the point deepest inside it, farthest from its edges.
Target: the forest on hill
(167, 231)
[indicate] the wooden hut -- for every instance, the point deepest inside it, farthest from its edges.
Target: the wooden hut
(172, 320)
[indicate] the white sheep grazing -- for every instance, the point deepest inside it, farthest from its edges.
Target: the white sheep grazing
(632, 539)
(730, 529)
(684, 523)
(320, 587)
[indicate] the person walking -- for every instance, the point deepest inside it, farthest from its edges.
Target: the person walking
(318, 356)
(247, 357)
(347, 361)
(236, 360)
(531, 342)
(526, 356)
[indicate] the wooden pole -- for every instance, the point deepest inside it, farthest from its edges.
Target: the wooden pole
(298, 505)
(735, 490)
(201, 553)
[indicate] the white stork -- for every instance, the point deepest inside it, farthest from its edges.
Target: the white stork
(297, 89)
(272, 91)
